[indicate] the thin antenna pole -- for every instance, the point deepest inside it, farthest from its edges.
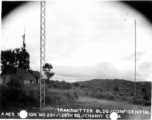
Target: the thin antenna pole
(24, 45)
(24, 29)
(135, 57)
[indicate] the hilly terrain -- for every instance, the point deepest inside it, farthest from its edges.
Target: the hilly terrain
(103, 94)
(116, 89)
(110, 94)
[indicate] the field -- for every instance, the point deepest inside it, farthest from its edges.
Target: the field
(94, 94)
(107, 95)
(93, 103)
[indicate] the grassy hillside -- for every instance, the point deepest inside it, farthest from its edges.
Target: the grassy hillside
(93, 94)
(120, 90)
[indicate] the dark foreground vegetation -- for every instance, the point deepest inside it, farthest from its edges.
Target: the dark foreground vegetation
(14, 95)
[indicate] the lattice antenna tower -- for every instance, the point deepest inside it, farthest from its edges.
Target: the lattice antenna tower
(42, 53)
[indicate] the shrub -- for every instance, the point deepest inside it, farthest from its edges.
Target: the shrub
(144, 90)
(147, 103)
(124, 99)
(3, 96)
(120, 94)
(57, 96)
(132, 94)
(82, 86)
(76, 84)
(15, 95)
(100, 95)
(31, 96)
(137, 101)
(116, 89)
(79, 92)
(11, 94)
(65, 85)
(59, 85)
(146, 98)
(54, 98)
(76, 96)
(110, 97)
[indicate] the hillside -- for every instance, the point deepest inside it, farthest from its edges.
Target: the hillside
(110, 84)
(116, 89)
(93, 94)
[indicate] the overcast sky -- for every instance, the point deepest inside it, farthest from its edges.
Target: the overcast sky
(84, 39)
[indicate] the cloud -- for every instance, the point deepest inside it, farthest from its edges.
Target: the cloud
(139, 55)
(103, 70)
(145, 70)
(146, 66)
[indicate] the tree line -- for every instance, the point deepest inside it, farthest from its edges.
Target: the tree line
(19, 58)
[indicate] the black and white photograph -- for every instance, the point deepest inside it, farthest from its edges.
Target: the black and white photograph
(76, 59)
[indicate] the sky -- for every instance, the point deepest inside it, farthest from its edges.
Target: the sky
(84, 39)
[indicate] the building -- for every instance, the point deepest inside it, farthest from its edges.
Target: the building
(24, 75)
(36, 75)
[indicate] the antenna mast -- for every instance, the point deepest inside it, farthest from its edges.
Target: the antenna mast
(42, 53)
(135, 57)
(24, 45)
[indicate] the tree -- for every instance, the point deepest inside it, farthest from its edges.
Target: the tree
(11, 59)
(8, 62)
(47, 70)
(22, 58)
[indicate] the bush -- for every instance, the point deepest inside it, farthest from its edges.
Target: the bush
(120, 94)
(31, 96)
(66, 85)
(12, 93)
(57, 97)
(79, 92)
(132, 94)
(3, 96)
(110, 97)
(124, 99)
(144, 90)
(59, 85)
(147, 103)
(146, 98)
(76, 84)
(100, 95)
(53, 98)
(116, 89)
(137, 101)
(15, 95)
(82, 86)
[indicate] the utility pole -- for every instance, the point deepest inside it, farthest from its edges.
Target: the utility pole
(42, 53)
(135, 60)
